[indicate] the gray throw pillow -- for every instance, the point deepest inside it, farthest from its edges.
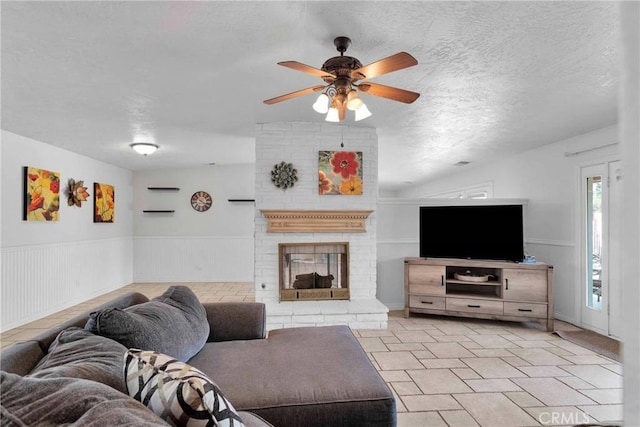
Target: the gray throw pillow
(174, 323)
(77, 353)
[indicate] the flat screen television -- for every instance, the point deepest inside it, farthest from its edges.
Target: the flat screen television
(492, 232)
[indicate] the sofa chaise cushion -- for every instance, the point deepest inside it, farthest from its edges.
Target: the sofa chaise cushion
(174, 323)
(316, 376)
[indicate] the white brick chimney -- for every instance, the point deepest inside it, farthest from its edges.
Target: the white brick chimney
(299, 144)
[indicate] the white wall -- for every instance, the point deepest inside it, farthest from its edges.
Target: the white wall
(629, 108)
(191, 246)
(48, 266)
(548, 179)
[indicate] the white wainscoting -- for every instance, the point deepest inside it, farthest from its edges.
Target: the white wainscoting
(193, 259)
(40, 280)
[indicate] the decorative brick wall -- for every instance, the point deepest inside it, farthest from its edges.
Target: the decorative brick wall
(299, 144)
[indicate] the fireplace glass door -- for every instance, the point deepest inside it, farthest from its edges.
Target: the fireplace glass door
(313, 271)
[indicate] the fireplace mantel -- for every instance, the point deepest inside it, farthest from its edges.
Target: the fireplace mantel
(315, 221)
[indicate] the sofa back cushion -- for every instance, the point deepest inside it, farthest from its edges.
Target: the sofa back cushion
(174, 323)
(27, 401)
(77, 353)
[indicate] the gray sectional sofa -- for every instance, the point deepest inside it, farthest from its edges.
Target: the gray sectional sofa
(313, 376)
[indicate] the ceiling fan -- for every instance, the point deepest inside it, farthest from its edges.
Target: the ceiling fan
(340, 74)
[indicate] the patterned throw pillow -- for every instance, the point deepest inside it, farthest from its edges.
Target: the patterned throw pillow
(180, 394)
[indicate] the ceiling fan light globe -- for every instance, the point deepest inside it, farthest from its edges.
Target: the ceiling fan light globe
(353, 100)
(322, 104)
(362, 112)
(144, 148)
(333, 115)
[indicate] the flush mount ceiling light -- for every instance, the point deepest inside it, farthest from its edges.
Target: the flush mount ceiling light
(340, 74)
(144, 148)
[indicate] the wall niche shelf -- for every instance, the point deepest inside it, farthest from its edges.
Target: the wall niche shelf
(241, 200)
(163, 188)
(157, 211)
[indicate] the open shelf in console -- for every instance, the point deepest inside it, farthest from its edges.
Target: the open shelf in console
(474, 281)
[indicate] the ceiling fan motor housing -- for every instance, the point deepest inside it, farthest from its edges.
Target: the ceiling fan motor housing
(340, 66)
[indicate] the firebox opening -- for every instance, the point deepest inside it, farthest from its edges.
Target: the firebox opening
(313, 271)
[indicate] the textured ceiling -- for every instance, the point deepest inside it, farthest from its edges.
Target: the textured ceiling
(495, 78)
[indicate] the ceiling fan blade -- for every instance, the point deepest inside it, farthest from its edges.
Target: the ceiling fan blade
(389, 92)
(293, 94)
(391, 63)
(298, 66)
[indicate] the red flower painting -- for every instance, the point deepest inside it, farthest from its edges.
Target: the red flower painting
(340, 173)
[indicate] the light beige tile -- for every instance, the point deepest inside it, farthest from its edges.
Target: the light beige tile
(493, 367)
(544, 371)
(438, 381)
(413, 336)
(394, 376)
(368, 333)
(406, 388)
(459, 418)
(596, 375)
(515, 361)
(587, 359)
(539, 356)
(494, 409)
(559, 351)
(614, 368)
(372, 344)
(390, 340)
(466, 373)
(435, 402)
(457, 329)
(491, 352)
(552, 392)
(448, 349)
(452, 338)
(394, 360)
(411, 346)
(399, 405)
(605, 413)
(605, 396)
(533, 344)
(523, 399)
(442, 363)
(423, 354)
(492, 341)
(560, 415)
(573, 348)
(420, 419)
(575, 383)
(470, 345)
(498, 384)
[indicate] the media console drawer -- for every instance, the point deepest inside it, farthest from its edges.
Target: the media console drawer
(432, 303)
(525, 309)
(474, 306)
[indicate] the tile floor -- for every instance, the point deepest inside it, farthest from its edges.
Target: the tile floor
(453, 372)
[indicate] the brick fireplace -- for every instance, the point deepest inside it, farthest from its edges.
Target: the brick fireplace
(300, 217)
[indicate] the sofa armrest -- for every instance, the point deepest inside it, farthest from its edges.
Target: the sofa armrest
(230, 321)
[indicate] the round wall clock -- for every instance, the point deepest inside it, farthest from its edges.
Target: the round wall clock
(201, 201)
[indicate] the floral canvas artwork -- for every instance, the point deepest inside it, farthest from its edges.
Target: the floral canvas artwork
(41, 194)
(340, 172)
(104, 202)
